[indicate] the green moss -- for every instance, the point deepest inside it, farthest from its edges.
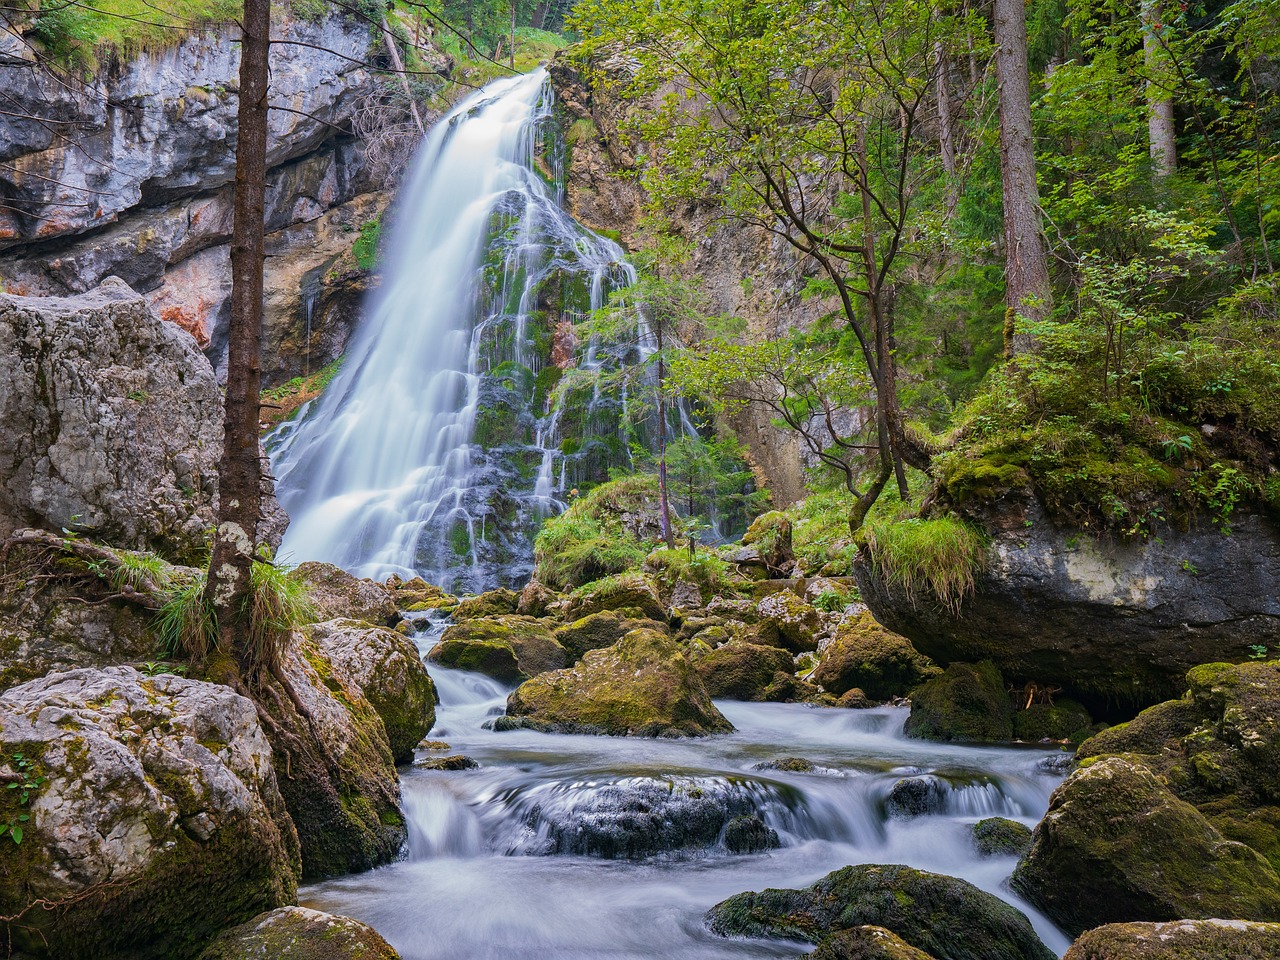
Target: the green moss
(590, 540)
(865, 655)
(1001, 837)
(1062, 720)
(968, 702)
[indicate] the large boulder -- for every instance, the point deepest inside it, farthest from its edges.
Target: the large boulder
(1179, 940)
(1117, 845)
(157, 821)
(968, 702)
(867, 943)
(939, 915)
(597, 630)
(798, 624)
(112, 420)
(388, 670)
(643, 685)
(338, 776)
(335, 594)
(742, 671)
(877, 661)
(1062, 607)
(629, 592)
(509, 648)
(299, 933)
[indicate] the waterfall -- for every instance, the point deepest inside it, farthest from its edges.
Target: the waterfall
(436, 451)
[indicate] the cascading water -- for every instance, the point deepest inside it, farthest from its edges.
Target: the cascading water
(433, 451)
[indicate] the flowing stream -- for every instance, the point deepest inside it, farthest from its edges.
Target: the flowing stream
(577, 847)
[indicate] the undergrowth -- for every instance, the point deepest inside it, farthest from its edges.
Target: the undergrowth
(591, 539)
(935, 559)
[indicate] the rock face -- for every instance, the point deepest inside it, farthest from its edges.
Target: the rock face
(938, 915)
(298, 933)
(865, 655)
(159, 821)
(1179, 940)
(1123, 620)
(387, 669)
(112, 422)
(1117, 845)
(641, 686)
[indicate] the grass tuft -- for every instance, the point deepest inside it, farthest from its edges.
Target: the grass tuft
(939, 558)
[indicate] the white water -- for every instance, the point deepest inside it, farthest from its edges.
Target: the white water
(478, 881)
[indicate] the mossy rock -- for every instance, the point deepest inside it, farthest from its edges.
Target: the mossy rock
(1117, 845)
(786, 687)
(598, 630)
(936, 914)
(1150, 734)
(865, 655)
(298, 933)
(491, 603)
(787, 764)
(749, 834)
(867, 943)
(741, 671)
(1064, 719)
(798, 624)
(333, 594)
(627, 591)
(493, 658)
(1001, 837)
(510, 648)
(967, 703)
(770, 534)
(1179, 940)
(641, 686)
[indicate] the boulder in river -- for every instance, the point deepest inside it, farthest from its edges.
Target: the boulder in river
(867, 943)
(968, 702)
(155, 820)
(507, 648)
(299, 933)
(742, 671)
(1179, 940)
(864, 654)
(1001, 837)
(939, 915)
(643, 685)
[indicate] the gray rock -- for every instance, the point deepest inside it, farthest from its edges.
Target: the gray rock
(1179, 940)
(299, 933)
(335, 594)
(158, 823)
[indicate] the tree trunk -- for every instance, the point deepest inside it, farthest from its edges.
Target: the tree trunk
(513, 34)
(1162, 135)
(946, 128)
(668, 534)
(240, 472)
(1027, 290)
(394, 52)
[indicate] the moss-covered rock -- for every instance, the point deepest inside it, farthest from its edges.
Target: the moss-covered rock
(798, 624)
(864, 654)
(598, 630)
(968, 702)
(298, 933)
(416, 594)
(786, 687)
(1064, 719)
(158, 821)
(749, 834)
(335, 594)
(770, 534)
(1117, 845)
(1179, 940)
(454, 762)
(630, 592)
(388, 670)
(491, 603)
(937, 914)
(741, 671)
(1001, 837)
(510, 648)
(867, 943)
(641, 686)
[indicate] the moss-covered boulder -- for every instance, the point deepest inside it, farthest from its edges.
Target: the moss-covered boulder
(968, 702)
(631, 592)
(867, 943)
(416, 594)
(749, 834)
(335, 594)
(388, 670)
(770, 534)
(598, 630)
(1064, 719)
(742, 671)
(510, 649)
(641, 686)
(491, 603)
(1117, 845)
(155, 819)
(865, 655)
(937, 914)
(1179, 940)
(798, 624)
(338, 777)
(1001, 837)
(298, 933)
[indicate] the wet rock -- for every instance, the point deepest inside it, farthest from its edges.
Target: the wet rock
(387, 669)
(299, 933)
(510, 648)
(455, 762)
(598, 630)
(1063, 719)
(641, 686)
(798, 624)
(968, 702)
(158, 822)
(338, 775)
(627, 591)
(1056, 763)
(864, 654)
(1117, 845)
(1179, 940)
(867, 943)
(855, 699)
(940, 915)
(112, 420)
(1001, 837)
(741, 671)
(492, 603)
(789, 764)
(335, 594)
(786, 687)
(749, 834)
(915, 797)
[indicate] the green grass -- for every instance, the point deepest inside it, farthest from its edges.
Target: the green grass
(588, 541)
(279, 403)
(937, 559)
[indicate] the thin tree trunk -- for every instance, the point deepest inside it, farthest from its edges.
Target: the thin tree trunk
(1027, 290)
(513, 34)
(946, 128)
(240, 471)
(1162, 134)
(668, 534)
(394, 52)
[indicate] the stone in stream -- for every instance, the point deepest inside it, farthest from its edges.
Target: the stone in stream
(1001, 837)
(788, 764)
(865, 655)
(643, 685)
(508, 648)
(867, 943)
(968, 702)
(1117, 845)
(299, 933)
(1179, 940)
(939, 915)
(158, 821)
(742, 671)
(453, 763)
(915, 797)
(491, 603)
(749, 834)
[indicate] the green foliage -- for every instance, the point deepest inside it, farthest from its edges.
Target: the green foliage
(937, 559)
(185, 623)
(589, 540)
(365, 250)
(702, 567)
(24, 780)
